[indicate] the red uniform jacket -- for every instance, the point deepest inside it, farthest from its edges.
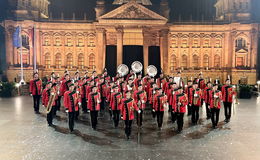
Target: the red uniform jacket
(152, 95)
(160, 82)
(215, 99)
(94, 100)
(64, 86)
(46, 96)
(140, 98)
(173, 94)
(195, 97)
(160, 100)
(128, 107)
(36, 87)
(187, 92)
(71, 101)
(83, 91)
(206, 95)
(227, 93)
(102, 88)
(183, 100)
(115, 101)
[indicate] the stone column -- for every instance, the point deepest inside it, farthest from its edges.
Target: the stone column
(100, 56)
(145, 49)
(119, 38)
(164, 49)
(253, 48)
(10, 56)
(231, 46)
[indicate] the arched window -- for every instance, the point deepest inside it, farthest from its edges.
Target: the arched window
(206, 43)
(47, 60)
(205, 61)
(218, 43)
(81, 61)
(92, 61)
(173, 62)
(69, 60)
(195, 61)
(184, 61)
(184, 43)
(217, 61)
(57, 41)
(25, 41)
(58, 60)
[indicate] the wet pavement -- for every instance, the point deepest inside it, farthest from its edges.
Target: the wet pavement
(26, 136)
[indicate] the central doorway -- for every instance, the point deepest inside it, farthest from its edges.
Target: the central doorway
(132, 53)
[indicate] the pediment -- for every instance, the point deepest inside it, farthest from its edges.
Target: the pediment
(132, 11)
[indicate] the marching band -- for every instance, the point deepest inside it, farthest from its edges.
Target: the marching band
(128, 95)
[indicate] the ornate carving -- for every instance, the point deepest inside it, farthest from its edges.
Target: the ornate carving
(132, 13)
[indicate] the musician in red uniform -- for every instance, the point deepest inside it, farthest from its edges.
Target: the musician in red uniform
(36, 91)
(102, 90)
(83, 93)
(173, 104)
(46, 95)
(206, 97)
(94, 100)
(115, 101)
(77, 90)
(152, 95)
(215, 105)
(227, 96)
(181, 101)
(65, 84)
(128, 106)
(94, 77)
(195, 101)
(71, 103)
(160, 103)
(140, 98)
(187, 91)
(201, 85)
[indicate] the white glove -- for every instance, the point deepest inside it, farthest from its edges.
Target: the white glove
(195, 95)
(139, 111)
(153, 110)
(77, 92)
(143, 101)
(215, 96)
(43, 106)
(30, 94)
(79, 103)
(66, 110)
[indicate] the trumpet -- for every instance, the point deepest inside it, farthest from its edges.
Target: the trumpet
(50, 102)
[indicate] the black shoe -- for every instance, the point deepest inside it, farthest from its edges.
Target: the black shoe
(37, 112)
(50, 124)
(213, 127)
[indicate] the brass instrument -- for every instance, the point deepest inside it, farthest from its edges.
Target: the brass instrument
(51, 100)
(216, 100)
(195, 99)
(137, 67)
(122, 70)
(152, 71)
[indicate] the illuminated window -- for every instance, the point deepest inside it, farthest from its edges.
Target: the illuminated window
(218, 43)
(57, 41)
(173, 62)
(185, 43)
(206, 43)
(92, 61)
(217, 61)
(80, 42)
(195, 61)
(47, 60)
(69, 60)
(69, 42)
(206, 61)
(239, 61)
(81, 61)
(196, 43)
(184, 61)
(58, 60)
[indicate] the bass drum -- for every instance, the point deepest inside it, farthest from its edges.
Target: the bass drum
(122, 70)
(137, 67)
(152, 71)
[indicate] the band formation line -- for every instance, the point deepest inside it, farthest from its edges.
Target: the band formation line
(128, 94)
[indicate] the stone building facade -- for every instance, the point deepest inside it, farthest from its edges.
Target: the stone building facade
(228, 47)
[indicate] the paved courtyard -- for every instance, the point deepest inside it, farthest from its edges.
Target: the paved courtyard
(26, 136)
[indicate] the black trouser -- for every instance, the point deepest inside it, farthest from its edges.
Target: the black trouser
(180, 120)
(160, 118)
(116, 117)
(195, 114)
(102, 104)
(214, 120)
(71, 120)
(58, 104)
(189, 110)
(84, 104)
(139, 116)
(36, 102)
(208, 110)
(76, 116)
(153, 113)
(50, 115)
(173, 116)
(93, 115)
(227, 106)
(128, 127)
